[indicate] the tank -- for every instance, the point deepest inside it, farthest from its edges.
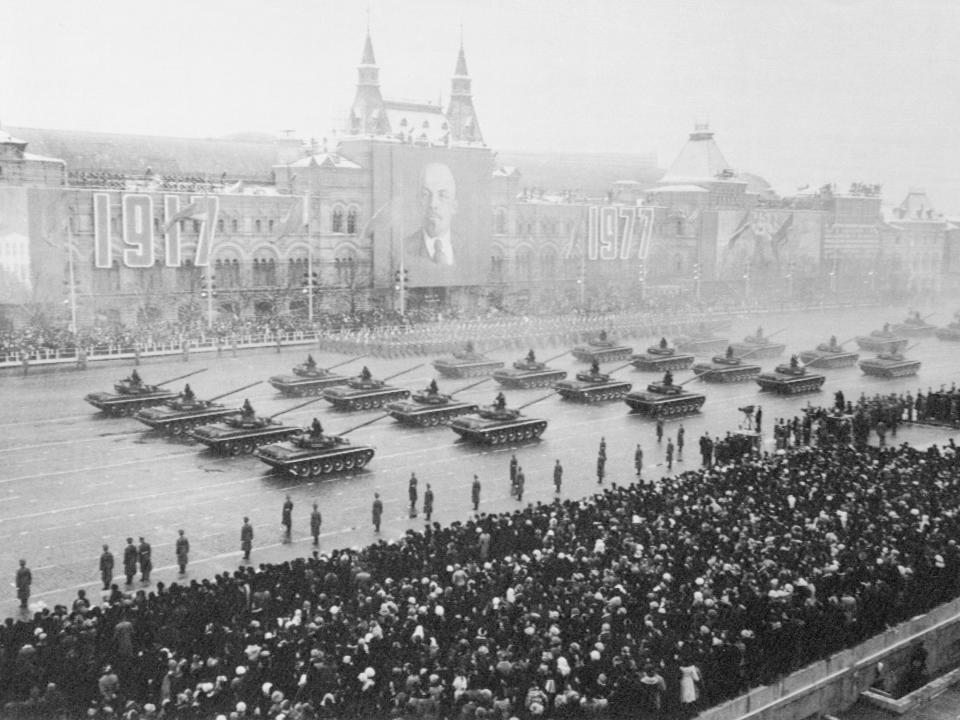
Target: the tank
(889, 365)
(241, 433)
(914, 326)
(308, 379)
(497, 424)
(662, 357)
(528, 373)
(663, 399)
(466, 363)
(726, 369)
(882, 341)
(702, 343)
(179, 415)
(790, 379)
(363, 393)
(131, 394)
(592, 386)
(601, 349)
(951, 332)
(309, 453)
(758, 347)
(429, 407)
(829, 356)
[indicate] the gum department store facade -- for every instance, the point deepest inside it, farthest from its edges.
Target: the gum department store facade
(714, 232)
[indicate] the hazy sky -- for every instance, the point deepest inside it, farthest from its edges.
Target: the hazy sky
(803, 92)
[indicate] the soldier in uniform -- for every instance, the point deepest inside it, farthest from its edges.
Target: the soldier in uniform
(315, 521)
(134, 379)
(311, 363)
(377, 512)
(531, 357)
(638, 460)
(428, 503)
(23, 581)
(183, 552)
(500, 403)
(365, 374)
(316, 429)
(557, 476)
(475, 493)
(286, 517)
(130, 560)
(247, 410)
(106, 567)
(144, 555)
(521, 481)
(432, 388)
(246, 538)
(412, 494)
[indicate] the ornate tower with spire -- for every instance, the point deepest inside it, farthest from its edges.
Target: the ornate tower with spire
(461, 115)
(368, 116)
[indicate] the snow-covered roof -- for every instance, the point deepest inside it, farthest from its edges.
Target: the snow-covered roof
(700, 160)
(677, 189)
(417, 122)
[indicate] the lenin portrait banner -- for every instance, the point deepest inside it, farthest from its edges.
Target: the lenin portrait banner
(432, 215)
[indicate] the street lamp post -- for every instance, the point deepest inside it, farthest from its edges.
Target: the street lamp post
(696, 279)
(746, 282)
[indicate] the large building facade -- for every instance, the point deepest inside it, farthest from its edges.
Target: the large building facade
(408, 207)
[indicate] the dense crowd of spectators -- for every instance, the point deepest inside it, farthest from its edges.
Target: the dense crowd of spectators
(646, 600)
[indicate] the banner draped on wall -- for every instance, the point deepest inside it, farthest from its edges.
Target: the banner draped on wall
(768, 242)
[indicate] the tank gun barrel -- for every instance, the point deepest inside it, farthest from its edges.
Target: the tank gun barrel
(363, 424)
(908, 348)
(691, 379)
(223, 395)
(347, 362)
(841, 344)
(181, 377)
(556, 357)
(295, 407)
(471, 385)
(403, 372)
(619, 367)
(777, 333)
(533, 402)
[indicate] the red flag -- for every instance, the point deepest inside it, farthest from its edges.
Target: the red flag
(743, 227)
(295, 220)
(780, 237)
(197, 210)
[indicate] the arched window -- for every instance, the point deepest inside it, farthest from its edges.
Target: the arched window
(227, 273)
(548, 264)
(336, 224)
(234, 226)
(524, 264)
(352, 221)
(264, 272)
(346, 264)
(220, 225)
(500, 222)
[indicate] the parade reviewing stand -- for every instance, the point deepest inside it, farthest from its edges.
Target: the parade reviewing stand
(646, 600)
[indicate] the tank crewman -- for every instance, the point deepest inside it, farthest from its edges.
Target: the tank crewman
(183, 551)
(365, 374)
(557, 476)
(311, 363)
(144, 555)
(187, 394)
(315, 521)
(23, 581)
(412, 494)
(286, 517)
(531, 356)
(668, 378)
(316, 429)
(428, 503)
(377, 512)
(602, 336)
(134, 379)
(729, 352)
(595, 367)
(106, 567)
(794, 362)
(833, 342)
(475, 493)
(886, 328)
(246, 538)
(759, 333)
(130, 560)
(468, 348)
(663, 343)
(432, 388)
(247, 410)
(501, 402)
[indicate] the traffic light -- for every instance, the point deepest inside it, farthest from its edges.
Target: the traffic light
(311, 281)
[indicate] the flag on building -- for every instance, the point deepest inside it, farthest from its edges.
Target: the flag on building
(296, 218)
(572, 248)
(741, 229)
(780, 237)
(197, 210)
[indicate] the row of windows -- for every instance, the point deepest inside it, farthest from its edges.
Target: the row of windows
(545, 226)
(341, 221)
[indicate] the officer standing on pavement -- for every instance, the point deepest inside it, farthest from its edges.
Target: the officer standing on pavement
(638, 460)
(377, 512)
(428, 503)
(659, 430)
(144, 555)
(475, 493)
(315, 521)
(24, 580)
(246, 538)
(557, 476)
(669, 454)
(183, 552)
(521, 480)
(130, 560)
(286, 519)
(601, 465)
(513, 471)
(412, 494)
(106, 567)
(680, 433)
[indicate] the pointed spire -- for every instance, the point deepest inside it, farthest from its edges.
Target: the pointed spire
(461, 70)
(368, 58)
